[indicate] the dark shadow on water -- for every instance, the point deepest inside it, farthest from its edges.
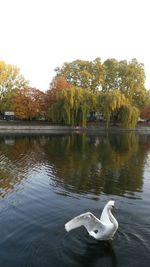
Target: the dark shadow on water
(84, 251)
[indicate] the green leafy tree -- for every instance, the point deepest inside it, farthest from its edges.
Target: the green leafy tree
(119, 88)
(112, 79)
(84, 74)
(133, 82)
(129, 79)
(10, 80)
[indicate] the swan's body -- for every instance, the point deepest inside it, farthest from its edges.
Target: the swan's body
(101, 229)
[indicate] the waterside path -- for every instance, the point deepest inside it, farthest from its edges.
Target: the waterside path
(47, 128)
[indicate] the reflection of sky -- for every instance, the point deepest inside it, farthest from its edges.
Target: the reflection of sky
(147, 164)
(146, 186)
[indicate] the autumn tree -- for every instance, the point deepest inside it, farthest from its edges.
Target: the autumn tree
(28, 103)
(56, 86)
(145, 112)
(10, 80)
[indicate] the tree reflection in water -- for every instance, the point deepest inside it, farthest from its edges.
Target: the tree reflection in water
(83, 163)
(17, 159)
(93, 164)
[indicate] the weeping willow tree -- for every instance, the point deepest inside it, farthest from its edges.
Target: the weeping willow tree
(72, 106)
(108, 102)
(87, 105)
(129, 116)
(55, 112)
(116, 101)
(71, 99)
(62, 108)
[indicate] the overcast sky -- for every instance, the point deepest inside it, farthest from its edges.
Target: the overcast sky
(39, 35)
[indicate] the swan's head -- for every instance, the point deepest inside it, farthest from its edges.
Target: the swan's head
(111, 204)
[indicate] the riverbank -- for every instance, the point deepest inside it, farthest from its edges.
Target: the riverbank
(40, 127)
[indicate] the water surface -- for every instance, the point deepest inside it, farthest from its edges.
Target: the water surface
(47, 180)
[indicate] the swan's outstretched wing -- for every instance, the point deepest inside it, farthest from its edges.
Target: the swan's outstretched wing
(88, 220)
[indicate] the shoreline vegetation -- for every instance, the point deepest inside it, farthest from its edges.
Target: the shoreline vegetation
(81, 92)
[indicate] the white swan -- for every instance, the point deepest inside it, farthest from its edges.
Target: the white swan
(101, 229)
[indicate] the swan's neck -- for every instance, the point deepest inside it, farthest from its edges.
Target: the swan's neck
(108, 217)
(112, 218)
(105, 215)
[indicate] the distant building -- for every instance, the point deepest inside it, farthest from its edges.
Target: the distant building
(9, 115)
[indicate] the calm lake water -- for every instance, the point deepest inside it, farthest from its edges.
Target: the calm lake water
(47, 180)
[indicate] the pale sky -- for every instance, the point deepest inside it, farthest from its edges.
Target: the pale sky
(39, 35)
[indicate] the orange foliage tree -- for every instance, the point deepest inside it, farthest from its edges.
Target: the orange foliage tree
(58, 84)
(28, 103)
(145, 113)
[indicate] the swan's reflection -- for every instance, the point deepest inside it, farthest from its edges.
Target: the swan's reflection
(99, 253)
